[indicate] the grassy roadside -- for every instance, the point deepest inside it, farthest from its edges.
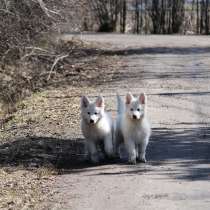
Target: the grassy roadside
(38, 132)
(24, 189)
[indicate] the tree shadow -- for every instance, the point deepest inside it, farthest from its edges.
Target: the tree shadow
(181, 144)
(43, 151)
(175, 153)
(148, 51)
(51, 152)
(137, 75)
(187, 150)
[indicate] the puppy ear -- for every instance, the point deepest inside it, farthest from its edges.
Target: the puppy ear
(100, 102)
(142, 98)
(84, 101)
(128, 98)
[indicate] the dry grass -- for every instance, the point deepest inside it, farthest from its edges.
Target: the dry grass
(41, 81)
(36, 138)
(24, 189)
(48, 114)
(60, 64)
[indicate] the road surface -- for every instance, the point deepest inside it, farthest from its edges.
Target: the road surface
(174, 71)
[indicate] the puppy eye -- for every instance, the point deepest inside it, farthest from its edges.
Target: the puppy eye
(131, 109)
(138, 110)
(89, 113)
(95, 113)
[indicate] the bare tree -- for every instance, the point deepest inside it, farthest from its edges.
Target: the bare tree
(207, 17)
(155, 15)
(177, 15)
(106, 13)
(197, 19)
(123, 15)
(137, 30)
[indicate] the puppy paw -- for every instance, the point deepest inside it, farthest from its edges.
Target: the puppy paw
(132, 161)
(142, 160)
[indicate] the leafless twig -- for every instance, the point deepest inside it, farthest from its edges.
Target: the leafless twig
(34, 52)
(61, 57)
(46, 10)
(7, 11)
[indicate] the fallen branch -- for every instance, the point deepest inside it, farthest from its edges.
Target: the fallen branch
(55, 62)
(37, 48)
(34, 52)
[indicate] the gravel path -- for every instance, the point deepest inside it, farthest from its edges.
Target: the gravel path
(175, 73)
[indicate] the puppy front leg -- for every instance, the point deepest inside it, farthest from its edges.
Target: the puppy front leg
(142, 151)
(137, 151)
(108, 145)
(93, 152)
(130, 145)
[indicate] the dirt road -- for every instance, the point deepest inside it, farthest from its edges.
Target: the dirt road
(175, 73)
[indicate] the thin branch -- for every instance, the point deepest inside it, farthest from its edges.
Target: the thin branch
(41, 52)
(7, 11)
(46, 10)
(54, 64)
(37, 48)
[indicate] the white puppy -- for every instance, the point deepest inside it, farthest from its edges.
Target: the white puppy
(96, 126)
(132, 126)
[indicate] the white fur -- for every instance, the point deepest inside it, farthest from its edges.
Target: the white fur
(101, 128)
(132, 127)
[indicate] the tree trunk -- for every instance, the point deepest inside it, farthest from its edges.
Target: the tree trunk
(155, 15)
(177, 15)
(146, 17)
(162, 18)
(202, 17)
(123, 17)
(207, 17)
(137, 16)
(141, 18)
(197, 11)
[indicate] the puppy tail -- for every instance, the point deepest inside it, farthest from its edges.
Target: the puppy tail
(120, 105)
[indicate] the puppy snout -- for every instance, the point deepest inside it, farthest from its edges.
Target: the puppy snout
(91, 121)
(134, 116)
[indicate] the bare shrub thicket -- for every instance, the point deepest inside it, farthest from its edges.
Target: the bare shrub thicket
(28, 55)
(22, 22)
(106, 13)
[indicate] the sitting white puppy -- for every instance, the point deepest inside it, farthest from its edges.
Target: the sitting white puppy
(132, 127)
(96, 126)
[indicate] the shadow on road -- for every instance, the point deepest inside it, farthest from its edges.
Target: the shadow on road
(186, 149)
(140, 75)
(150, 50)
(182, 144)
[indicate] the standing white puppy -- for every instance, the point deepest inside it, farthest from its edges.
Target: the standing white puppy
(132, 126)
(96, 126)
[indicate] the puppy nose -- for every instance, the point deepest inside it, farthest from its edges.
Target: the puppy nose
(134, 116)
(91, 121)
